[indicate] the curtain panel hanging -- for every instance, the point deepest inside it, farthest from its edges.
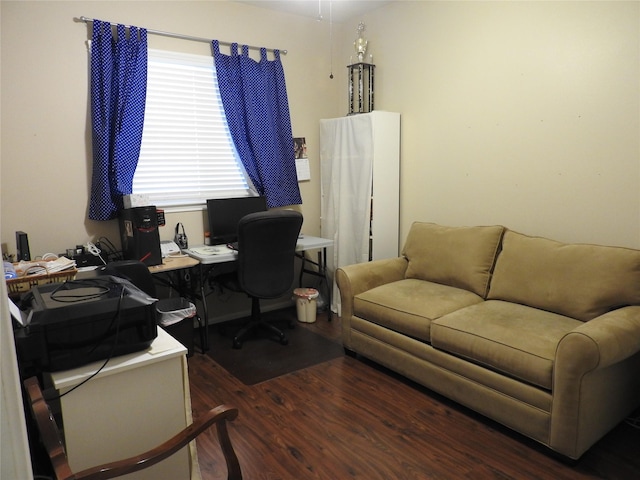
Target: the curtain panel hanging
(254, 97)
(118, 93)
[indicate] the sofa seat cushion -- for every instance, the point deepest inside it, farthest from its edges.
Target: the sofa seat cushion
(409, 306)
(512, 339)
(577, 280)
(460, 257)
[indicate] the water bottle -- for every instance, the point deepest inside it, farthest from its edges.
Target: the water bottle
(9, 271)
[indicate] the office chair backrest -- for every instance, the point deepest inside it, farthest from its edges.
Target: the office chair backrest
(134, 271)
(266, 252)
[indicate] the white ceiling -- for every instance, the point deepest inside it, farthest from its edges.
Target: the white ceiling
(341, 10)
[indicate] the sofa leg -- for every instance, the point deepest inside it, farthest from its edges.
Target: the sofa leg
(350, 353)
(568, 461)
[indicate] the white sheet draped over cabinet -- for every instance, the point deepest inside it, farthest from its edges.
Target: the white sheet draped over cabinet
(360, 170)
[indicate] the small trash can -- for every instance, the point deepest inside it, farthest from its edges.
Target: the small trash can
(306, 304)
(175, 316)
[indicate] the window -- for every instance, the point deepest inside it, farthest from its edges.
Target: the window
(187, 154)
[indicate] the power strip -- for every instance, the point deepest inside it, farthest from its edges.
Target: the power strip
(88, 255)
(94, 249)
(87, 260)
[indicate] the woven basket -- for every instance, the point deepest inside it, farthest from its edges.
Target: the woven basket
(19, 285)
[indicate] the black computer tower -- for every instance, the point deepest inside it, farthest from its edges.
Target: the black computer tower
(140, 236)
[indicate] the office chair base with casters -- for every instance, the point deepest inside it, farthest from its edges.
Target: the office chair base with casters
(257, 322)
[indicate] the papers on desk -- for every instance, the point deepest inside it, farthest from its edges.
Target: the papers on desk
(211, 250)
(24, 267)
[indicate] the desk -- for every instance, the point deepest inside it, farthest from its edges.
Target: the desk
(133, 404)
(210, 261)
(174, 262)
(315, 243)
(180, 265)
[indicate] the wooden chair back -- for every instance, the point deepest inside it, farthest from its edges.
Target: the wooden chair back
(53, 443)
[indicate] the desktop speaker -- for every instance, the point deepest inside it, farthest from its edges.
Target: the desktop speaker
(181, 238)
(22, 246)
(140, 236)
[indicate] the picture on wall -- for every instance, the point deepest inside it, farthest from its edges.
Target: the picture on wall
(300, 147)
(302, 161)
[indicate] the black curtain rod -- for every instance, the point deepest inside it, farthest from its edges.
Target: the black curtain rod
(189, 37)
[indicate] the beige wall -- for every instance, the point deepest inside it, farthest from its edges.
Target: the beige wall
(524, 114)
(519, 113)
(45, 143)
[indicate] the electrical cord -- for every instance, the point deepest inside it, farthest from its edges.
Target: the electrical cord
(175, 255)
(64, 291)
(111, 250)
(633, 421)
(95, 251)
(118, 320)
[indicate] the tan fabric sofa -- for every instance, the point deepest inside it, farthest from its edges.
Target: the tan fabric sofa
(540, 336)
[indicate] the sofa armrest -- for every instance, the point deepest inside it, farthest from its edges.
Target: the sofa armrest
(607, 339)
(595, 379)
(355, 279)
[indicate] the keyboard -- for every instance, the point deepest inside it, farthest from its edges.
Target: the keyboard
(211, 250)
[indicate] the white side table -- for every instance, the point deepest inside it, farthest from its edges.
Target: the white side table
(135, 403)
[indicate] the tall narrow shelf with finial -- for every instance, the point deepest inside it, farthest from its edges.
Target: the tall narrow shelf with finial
(361, 78)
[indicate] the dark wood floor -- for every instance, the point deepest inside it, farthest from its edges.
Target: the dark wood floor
(348, 418)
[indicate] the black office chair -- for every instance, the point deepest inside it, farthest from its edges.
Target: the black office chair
(266, 256)
(138, 273)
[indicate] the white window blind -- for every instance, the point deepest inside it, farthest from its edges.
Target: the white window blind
(187, 154)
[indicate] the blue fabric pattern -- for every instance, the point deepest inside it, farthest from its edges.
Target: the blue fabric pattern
(254, 97)
(118, 95)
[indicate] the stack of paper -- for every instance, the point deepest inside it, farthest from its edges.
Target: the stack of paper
(44, 267)
(62, 263)
(212, 250)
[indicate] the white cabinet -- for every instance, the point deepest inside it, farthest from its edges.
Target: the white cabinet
(136, 402)
(360, 170)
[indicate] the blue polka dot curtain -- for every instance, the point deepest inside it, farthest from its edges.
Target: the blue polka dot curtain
(254, 97)
(118, 93)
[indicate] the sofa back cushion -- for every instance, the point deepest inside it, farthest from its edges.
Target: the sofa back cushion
(576, 280)
(461, 257)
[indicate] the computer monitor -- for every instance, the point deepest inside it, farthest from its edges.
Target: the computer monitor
(225, 213)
